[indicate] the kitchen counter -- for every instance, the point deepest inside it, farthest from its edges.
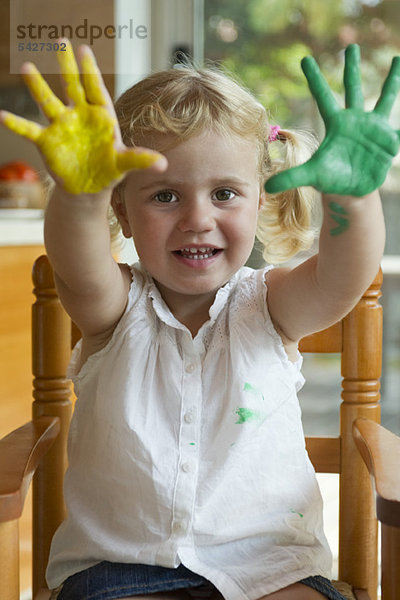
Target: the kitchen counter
(24, 227)
(21, 227)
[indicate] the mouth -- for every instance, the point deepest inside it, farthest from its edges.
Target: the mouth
(199, 253)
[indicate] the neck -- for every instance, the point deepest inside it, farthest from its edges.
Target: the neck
(190, 310)
(194, 322)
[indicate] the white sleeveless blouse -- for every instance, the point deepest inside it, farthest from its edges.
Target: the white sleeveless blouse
(192, 451)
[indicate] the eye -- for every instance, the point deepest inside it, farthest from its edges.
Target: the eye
(165, 197)
(224, 194)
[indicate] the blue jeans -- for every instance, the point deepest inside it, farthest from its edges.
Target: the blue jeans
(107, 581)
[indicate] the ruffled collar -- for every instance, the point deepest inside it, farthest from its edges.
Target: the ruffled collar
(164, 313)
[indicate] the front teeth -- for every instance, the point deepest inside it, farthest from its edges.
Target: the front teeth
(193, 253)
(194, 250)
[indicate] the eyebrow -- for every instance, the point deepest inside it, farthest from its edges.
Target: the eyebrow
(227, 180)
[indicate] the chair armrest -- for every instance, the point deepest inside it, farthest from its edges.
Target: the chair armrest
(20, 454)
(380, 450)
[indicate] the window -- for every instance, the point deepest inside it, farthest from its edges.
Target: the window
(263, 41)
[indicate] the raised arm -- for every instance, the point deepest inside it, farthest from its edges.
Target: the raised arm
(348, 167)
(84, 153)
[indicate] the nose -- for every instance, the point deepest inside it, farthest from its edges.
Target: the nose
(197, 215)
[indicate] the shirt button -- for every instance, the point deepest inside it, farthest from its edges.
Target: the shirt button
(190, 368)
(178, 526)
(188, 418)
(186, 467)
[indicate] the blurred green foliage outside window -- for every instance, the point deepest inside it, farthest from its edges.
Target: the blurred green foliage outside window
(263, 41)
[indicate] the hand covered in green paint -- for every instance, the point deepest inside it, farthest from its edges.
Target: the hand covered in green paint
(358, 148)
(82, 145)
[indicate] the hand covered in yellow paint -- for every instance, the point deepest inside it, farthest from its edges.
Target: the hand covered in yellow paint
(82, 145)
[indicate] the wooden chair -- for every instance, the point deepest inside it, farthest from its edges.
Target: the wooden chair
(40, 447)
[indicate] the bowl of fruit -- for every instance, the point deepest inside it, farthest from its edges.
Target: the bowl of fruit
(20, 186)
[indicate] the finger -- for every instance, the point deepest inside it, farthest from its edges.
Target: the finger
(41, 92)
(287, 180)
(352, 78)
(70, 73)
(320, 89)
(390, 90)
(21, 126)
(96, 91)
(140, 158)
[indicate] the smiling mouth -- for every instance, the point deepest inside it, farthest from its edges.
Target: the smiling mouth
(197, 253)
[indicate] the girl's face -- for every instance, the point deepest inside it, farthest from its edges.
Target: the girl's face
(194, 224)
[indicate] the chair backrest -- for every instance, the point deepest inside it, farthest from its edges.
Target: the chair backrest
(358, 338)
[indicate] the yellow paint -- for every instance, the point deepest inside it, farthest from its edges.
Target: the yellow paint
(21, 126)
(70, 74)
(79, 148)
(92, 80)
(50, 104)
(78, 144)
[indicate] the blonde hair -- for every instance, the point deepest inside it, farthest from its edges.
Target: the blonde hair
(184, 102)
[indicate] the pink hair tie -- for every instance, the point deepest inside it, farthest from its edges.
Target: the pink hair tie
(274, 133)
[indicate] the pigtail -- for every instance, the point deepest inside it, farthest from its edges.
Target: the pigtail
(285, 220)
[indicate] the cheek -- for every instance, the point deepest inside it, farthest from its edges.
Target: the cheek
(251, 216)
(242, 229)
(149, 232)
(252, 225)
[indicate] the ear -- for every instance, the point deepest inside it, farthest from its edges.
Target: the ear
(261, 199)
(119, 208)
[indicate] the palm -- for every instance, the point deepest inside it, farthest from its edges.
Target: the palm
(359, 146)
(81, 146)
(92, 155)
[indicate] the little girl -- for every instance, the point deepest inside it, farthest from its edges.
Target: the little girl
(188, 475)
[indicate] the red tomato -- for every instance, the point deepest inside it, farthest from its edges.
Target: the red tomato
(18, 170)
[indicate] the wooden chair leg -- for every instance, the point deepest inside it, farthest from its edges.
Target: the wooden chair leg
(390, 562)
(9, 560)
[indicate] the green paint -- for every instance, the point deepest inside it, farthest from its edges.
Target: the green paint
(343, 224)
(337, 208)
(296, 513)
(192, 444)
(339, 214)
(252, 390)
(247, 415)
(359, 146)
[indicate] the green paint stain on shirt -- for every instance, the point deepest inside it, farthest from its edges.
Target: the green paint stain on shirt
(296, 513)
(247, 415)
(252, 390)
